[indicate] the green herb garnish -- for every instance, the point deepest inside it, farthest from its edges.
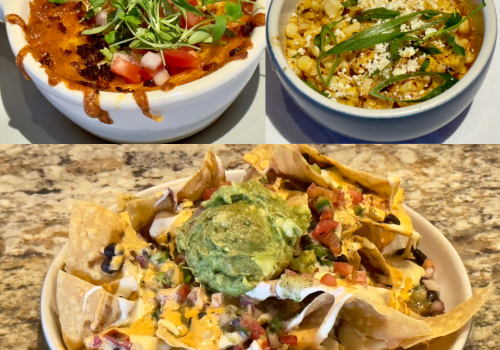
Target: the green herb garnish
(358, 210)
(425, 65)
(276, 325)
(449, 81)
(160, 257)
(154, 25)
(311, 85)
(377, 13)
(349, 3)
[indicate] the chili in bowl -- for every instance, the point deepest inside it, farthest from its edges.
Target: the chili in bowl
(149, 71)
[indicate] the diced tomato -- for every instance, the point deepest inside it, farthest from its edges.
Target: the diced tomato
(192, 20)
(148, 74)
(181, 58)
(361, 278)
(290, 273)
(326, 215)
(340, 198)
(182, 293)
(251, 323)
(127, 70)
(308, 275)
(289, 339)
(357, 197)
(342, 268)
(173, 70)
(330, 240)
(315, 191)
(208, 193)
(324, 226)
(329, 280)
(180, 258)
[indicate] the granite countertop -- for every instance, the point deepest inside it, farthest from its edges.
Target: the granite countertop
(457, 188)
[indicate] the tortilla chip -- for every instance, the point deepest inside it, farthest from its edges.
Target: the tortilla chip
(121, 201)
(453, 320)
(259, 158)
(379, 321)
(142, 211)
(209, 176)
(101, 310)
(92, 228)
(294, 162)
(362, 245)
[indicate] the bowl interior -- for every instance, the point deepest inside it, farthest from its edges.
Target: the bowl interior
(450, 273)
(111, 100)
(280, 12)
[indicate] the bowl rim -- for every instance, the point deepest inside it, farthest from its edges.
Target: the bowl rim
(50, 321)
(284, 71)
(124, 101)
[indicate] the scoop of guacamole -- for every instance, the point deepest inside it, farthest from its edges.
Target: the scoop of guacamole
(244, 235)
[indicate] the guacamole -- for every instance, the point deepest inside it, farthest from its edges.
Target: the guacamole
(244, 235)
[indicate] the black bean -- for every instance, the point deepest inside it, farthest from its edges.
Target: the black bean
(392, 219)
(235, 323)
(109, 251)
(330, 257)
(419, 256)
(305, 241)
(342, 258)
(432, 296)
(400, 251)
(106, 266)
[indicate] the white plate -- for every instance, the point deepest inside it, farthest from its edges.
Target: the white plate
(450, 273)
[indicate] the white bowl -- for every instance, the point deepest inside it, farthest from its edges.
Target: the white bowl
(384, 125)
(186, 109)
(450, 273)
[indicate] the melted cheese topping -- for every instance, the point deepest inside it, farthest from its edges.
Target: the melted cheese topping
(205, 333)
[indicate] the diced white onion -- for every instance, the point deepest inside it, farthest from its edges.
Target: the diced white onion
(429, 272)
(101, 18)
(274, 341)
(151, 61)
(123, 56)
(161, 77)
(431, 285)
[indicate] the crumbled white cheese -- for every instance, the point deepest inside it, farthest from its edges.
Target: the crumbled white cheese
(404, 27)
(430, 30)
(301, 51)
(308, 40)
(381, 48)
(407, 51)
(379, 62)
(399, 70)
(412, 65)
(339, 34)
(416, 23)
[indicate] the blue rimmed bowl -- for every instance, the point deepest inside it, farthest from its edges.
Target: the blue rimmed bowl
(386, 125)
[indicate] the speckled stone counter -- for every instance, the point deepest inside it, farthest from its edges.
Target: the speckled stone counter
(457, 188)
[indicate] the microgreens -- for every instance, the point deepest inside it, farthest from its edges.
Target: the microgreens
(154, 25)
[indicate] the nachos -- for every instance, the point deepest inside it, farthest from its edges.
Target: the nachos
(295, 256)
